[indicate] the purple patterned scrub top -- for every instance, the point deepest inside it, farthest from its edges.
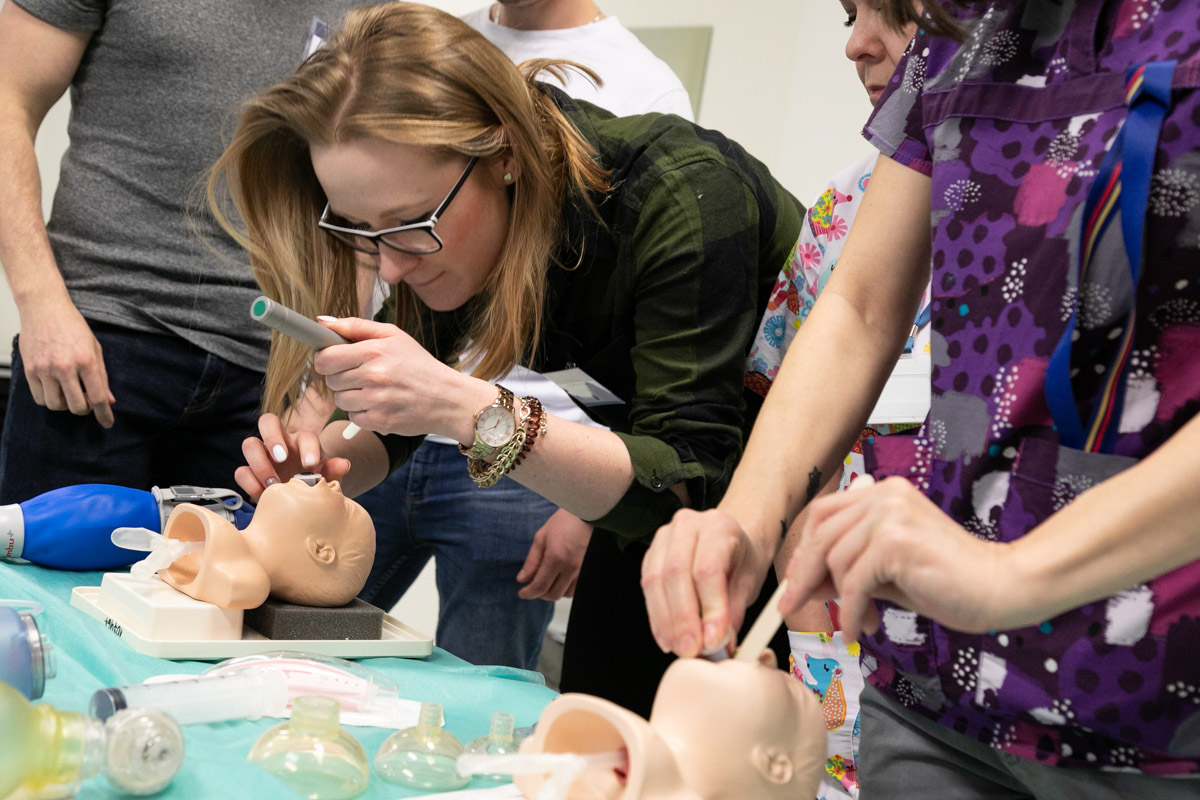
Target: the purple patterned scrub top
(1012, 127)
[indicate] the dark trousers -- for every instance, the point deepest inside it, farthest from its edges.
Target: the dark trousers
(610, 651)
(906, 756)
(180, 417)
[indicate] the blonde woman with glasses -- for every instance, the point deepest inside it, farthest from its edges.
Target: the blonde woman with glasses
(517, 227)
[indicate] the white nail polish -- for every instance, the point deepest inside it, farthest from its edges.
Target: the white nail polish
(279, 453)
(326, 318)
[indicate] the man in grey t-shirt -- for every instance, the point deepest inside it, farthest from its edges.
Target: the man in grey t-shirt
(134, 318)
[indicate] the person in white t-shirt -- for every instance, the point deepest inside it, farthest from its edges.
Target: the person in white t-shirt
(489, 544)
(635, 81)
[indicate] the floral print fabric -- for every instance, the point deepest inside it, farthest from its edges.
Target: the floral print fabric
(808, 269)
(828, 666)
(1012, 126)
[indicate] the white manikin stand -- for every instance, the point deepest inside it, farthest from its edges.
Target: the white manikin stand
(158, 620)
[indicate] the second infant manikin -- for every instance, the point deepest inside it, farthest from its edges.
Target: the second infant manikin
(308, 544)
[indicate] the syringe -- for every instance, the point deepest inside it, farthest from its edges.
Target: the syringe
(244, 695)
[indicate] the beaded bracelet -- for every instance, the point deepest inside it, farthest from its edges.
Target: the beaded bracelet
(535, 425)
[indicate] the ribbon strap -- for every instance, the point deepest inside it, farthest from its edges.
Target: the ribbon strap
(1124, 183)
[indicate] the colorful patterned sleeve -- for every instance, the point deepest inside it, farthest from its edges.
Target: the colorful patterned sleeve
(806, 272)
(895, 126)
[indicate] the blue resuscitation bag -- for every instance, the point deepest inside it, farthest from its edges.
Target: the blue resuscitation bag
(71, 527)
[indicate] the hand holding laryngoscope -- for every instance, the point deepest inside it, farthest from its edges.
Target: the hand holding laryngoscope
(304, 330)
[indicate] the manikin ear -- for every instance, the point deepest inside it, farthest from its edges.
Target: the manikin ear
(320, 550)
(774, 765)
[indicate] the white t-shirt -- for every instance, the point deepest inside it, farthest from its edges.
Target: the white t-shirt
(635, 81)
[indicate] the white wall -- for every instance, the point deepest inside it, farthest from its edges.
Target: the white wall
(778, 83)
(778, 79)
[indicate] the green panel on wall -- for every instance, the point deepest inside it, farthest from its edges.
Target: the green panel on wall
(685, 49)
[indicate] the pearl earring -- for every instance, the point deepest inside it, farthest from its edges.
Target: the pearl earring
(508, 177)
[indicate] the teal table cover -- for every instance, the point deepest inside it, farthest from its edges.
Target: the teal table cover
(90, 657)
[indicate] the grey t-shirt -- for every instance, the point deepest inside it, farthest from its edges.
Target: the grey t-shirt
(158, 86)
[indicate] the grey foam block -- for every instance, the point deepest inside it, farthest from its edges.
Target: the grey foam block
(276, 619)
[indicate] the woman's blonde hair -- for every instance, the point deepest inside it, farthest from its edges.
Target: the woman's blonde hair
(410, 74)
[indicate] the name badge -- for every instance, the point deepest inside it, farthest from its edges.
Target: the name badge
(583, 387)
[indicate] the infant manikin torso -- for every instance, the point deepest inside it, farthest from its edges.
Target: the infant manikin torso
(308, 544)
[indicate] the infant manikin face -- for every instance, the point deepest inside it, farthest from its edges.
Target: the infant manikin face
(308, 544)
(727, 731)
(315, 543)
(740, 730)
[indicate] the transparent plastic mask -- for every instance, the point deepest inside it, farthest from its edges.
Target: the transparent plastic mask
(312, 754)
(499, 742)
(424, 757)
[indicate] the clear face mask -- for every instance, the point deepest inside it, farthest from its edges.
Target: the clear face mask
(312, 754)
(423, 757)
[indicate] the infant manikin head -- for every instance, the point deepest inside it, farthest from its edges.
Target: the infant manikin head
(740, 730)
(308, 544)
(725, 731)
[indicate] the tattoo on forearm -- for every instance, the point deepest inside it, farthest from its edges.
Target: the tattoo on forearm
(814, 485)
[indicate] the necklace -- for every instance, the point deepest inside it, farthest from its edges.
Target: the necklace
(494, 16)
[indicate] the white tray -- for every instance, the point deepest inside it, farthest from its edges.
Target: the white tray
(399, 640)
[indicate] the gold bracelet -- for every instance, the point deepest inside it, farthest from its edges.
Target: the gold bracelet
(533, 424)
(485, 474)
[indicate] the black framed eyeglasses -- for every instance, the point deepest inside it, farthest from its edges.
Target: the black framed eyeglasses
(418, 238)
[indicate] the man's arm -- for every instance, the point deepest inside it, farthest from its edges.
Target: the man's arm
(62, 358)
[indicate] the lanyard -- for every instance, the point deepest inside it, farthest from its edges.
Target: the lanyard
(922, 318)
(1123, 183)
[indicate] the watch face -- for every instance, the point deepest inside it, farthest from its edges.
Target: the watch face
(495, 426)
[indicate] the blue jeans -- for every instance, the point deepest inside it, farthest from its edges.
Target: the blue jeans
(430, 506)
(180, 417)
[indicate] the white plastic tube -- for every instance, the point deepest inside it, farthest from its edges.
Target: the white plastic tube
(562, 769)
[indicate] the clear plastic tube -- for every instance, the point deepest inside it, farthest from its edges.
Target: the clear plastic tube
(563, 769)
(354, 686)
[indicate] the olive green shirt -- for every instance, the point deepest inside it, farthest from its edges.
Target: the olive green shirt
(662, 309)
